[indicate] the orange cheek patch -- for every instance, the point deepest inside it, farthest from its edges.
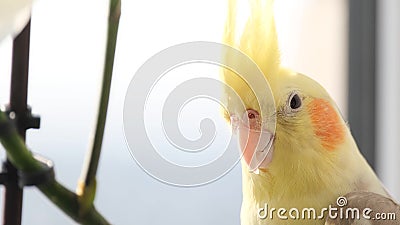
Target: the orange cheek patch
(327, 123)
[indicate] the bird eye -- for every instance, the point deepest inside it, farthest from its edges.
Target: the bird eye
(295, 101)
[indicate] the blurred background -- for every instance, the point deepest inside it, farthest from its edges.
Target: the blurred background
(350, 47)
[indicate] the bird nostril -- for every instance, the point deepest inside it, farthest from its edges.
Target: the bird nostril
(251, 115)
(251, 119)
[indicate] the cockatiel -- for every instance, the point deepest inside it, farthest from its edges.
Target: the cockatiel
(312, 158)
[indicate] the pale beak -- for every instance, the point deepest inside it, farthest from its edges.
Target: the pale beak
(256, 144)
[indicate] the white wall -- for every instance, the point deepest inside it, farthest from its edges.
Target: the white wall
(313, 41)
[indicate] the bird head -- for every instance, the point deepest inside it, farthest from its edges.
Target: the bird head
(306, 125)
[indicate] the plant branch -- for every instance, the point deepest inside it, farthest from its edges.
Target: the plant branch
(78, 206)
(23, 160)
(87, 184)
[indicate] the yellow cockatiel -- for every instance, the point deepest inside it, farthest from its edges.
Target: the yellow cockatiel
(313, 158)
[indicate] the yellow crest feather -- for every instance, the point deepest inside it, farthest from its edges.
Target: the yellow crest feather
(258, 41)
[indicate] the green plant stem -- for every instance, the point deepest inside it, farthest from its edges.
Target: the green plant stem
(87, 184)
(66, 200)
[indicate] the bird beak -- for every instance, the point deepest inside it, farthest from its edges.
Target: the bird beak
(256, 146)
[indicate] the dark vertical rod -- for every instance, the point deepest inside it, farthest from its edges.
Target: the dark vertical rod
(18, 105)
(362, 75)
